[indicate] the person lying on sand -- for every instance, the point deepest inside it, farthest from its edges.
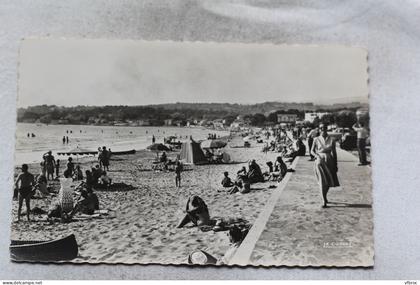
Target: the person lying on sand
(196, 212)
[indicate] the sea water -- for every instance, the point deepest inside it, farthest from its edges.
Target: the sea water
(30, 149)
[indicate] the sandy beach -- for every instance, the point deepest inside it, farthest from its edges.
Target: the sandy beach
(140, 226)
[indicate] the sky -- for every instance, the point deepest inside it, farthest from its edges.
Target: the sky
(70, 72)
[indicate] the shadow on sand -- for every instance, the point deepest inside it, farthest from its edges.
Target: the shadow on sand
(348, 205)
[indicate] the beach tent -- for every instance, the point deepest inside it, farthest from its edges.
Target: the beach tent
(191, 152)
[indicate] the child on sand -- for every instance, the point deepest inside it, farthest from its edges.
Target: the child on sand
(24, 182)
(57, 168)
(227, 182)
(178, 170)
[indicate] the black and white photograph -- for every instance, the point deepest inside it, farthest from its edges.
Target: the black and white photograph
(193, 153)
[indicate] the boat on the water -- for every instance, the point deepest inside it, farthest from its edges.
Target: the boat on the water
(44, 251)
(124, 152)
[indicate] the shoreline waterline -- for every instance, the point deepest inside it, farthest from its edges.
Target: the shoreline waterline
(30, 149)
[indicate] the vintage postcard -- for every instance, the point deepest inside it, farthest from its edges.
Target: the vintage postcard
(192, 153)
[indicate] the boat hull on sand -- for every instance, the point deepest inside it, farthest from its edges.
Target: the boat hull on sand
(44, 251)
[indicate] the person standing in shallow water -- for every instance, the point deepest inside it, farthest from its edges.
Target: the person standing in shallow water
(325, 166)
(24, 183)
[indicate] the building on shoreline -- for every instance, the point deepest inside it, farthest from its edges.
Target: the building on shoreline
(311, 116)
(287, 118)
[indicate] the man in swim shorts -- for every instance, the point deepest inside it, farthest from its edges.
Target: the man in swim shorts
(24, 183)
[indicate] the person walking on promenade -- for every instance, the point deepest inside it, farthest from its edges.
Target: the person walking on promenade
(362, 134)
(325, 166)
(311, 136)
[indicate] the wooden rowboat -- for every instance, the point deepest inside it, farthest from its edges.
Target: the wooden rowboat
(44, 251)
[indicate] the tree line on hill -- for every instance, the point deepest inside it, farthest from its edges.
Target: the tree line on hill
(181, 113)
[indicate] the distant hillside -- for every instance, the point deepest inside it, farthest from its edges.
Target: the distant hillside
(177, 113)
(264, 108)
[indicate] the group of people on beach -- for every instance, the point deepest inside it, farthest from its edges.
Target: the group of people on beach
(104, 155)
(27, 185)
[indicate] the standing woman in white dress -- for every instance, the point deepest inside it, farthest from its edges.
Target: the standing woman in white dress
(323, 149)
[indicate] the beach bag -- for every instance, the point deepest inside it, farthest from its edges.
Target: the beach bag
(65, 195)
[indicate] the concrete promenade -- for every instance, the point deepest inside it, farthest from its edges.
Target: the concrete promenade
(293, 229)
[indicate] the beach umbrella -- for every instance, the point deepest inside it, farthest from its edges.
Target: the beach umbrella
(158, 147)
(213, 144)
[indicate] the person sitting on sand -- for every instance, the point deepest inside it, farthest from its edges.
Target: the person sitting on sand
(300, 148)
(280, 166)
(96, 173)
(41, 184)
(196, 212)
(227, 182)
(54, 211)
(255, 174)
(270, 166)
(104, 180)
(89, 179)
(24, 183)
(163, 157)
(70, 167)
(208, 155)
(78, 174)
(86, 204)
(242, 172)
(235, 238)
